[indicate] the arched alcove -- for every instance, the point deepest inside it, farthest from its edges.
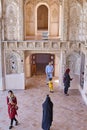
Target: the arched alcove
(73, 61)
(42, 18)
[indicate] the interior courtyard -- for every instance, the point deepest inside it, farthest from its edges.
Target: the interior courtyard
(32, 33)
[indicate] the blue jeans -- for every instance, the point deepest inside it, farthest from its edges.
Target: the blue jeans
(48, 76)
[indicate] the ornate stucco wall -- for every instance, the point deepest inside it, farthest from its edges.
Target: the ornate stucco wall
(14, 62)
(19, 20)
(13, 23)
(30, 16)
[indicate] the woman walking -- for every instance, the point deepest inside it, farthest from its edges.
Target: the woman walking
(47, 113)
(12, 108)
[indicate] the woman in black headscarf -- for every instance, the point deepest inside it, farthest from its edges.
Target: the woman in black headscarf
(47, 113)
(66, 81)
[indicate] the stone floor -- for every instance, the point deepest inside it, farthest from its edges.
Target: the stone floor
(70, 112)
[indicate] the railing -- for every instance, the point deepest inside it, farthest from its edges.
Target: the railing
(52, 45)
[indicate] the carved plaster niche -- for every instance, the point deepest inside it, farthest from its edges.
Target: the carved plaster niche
(55, 45)
(30, 45)
(73, 61)
(38, 44)
(11, 64)
(63, 45)
(12, 2)
(54, 13)
(38, 1)
(80, 2)
(29, 1)
(11, 33)
(46, 45)
(11, 45)
(11, 22)
(75, 22)
(14, 62)
(29, 13)
(22, 45)
(54, 1)
(74, 46)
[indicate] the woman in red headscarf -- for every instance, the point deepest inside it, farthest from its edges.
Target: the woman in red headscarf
(66, 81)
(12, 108)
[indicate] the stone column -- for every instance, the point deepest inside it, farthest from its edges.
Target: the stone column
(20, 21)
(62, 67)
(0, 65)
(65, 20)
(0, 51)
(2, 81)
(61, 17)
(56, 72)
(27, 66)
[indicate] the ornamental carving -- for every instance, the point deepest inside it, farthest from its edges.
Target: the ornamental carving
(11, 22)
(46, 44)
(75, 23)
(73, 62)
(30, 45)
(54, 13)
(37, 44)
(14, 62)
(29, 13)
(55, 45)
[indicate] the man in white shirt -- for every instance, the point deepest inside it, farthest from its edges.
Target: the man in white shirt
(49, 71)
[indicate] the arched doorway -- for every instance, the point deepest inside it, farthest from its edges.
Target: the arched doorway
(42, 18)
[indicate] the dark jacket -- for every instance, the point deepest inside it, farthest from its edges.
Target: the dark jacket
(47, 114)
(66, 80)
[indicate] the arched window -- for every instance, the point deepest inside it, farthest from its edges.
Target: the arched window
(42, 18)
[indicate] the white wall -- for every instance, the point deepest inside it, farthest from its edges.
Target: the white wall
(15, 81)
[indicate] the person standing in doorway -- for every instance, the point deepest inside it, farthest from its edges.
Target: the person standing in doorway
(47, 116)
(12, 108)
(66, 81)
(49, 71)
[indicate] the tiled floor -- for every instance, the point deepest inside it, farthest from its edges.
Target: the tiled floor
(70, 112)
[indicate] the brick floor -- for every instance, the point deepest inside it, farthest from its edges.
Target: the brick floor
(70, 112)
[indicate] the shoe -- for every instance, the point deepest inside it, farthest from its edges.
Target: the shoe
(16, 123)
(51, 91)
(67, 94)
(10, 127)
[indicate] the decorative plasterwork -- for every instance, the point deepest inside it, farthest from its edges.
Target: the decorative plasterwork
(80, 1)
(14, 62)
(73, 61)
(13, 20)
(46, 1)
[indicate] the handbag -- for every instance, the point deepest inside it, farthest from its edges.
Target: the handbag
(16, 107)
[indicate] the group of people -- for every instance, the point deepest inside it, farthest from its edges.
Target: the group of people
(66, 78)
(47, 111)
(47, 105)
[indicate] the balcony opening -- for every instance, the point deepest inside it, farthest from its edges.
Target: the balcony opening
(42, 18)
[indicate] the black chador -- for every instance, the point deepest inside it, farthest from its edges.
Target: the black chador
(47, 113)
